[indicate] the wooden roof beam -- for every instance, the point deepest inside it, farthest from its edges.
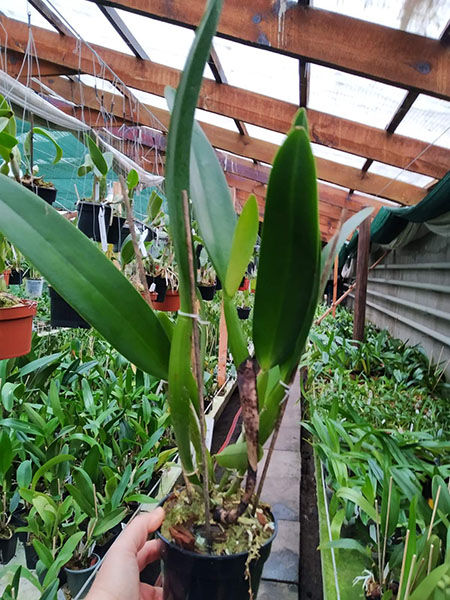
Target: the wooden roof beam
(51, 17)
(327, 38)
(233, 102)
(259, 150)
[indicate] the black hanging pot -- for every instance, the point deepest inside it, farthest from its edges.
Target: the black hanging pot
(16, 277)
(191, 576)
(118, 231)
(207, 291)
(160, 286)
(8, 548)
(46, 193)
(243, 312)
(63, 315)
(88, 219)
(218, 284)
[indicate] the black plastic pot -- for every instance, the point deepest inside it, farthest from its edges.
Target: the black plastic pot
(243, 312)
(47, 194)
(63, 315)
(160, 286)
(76, 579)
(102, 549)
(207, 291)
(16, 277)
(18, 521)
(88, 217)
(31, 556)
(218, 284)
(118, 231)
(8, 548)
(191, 576)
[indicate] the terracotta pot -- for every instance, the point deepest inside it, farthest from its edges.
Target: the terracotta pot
(15, 329)
(6, 274)
(171, 302)
(244, 284)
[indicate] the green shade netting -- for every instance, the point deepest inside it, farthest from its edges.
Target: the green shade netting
(64, 174)
(391, 223)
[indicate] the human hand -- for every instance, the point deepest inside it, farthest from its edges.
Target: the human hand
(118, 577)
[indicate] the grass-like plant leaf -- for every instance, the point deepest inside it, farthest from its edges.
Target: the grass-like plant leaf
(84, 277)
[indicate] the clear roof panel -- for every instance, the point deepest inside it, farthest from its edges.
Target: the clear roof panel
(19, 10)
(429, 120)
(259, 70)
(338, 156)
(164, 43)
(266, 135)
(353, 97)
(400, 174)
(423, 17)
(90, 24)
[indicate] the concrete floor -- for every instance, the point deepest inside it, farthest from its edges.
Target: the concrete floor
(282, 491)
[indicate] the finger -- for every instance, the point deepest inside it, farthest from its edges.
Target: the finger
(147, 592)
(149, 552)
(134, 536)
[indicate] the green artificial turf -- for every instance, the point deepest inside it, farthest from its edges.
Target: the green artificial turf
(349, 563)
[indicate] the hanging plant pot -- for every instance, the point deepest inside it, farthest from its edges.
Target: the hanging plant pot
(118, 231)
(63, 315)
(243, 312)
(218, 284)
(16, 277)
(207, 291)
(90, 215)
(34, 287)
(8, 547)
(191, 576)
(15, 329)
(46, 193)
(244, 284)
(76, 578)
(171, 302)
(6, 275)
(160, 288)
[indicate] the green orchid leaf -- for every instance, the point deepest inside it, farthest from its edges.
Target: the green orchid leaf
(132, 180)
(235, 456)
(6, 454)
(24, 474)
(109, 521)
(56, 460)
(87, 279)
(182, 389)
(289, 255)
(48, 136)
(243, 244)
(353, 495)
(96, 155)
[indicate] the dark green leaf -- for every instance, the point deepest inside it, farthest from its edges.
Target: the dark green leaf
(289, 253)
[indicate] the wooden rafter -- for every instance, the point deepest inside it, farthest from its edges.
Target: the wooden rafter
(235, 103)
(389, 55)
(51, 16)
(252, 148)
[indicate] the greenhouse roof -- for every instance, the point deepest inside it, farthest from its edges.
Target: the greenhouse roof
(373, 74)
